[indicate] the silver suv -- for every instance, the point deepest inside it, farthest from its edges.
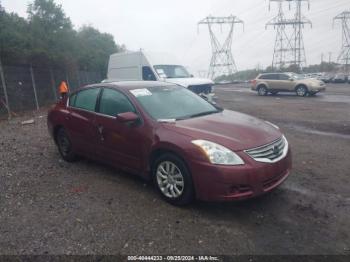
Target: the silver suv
(286, 82)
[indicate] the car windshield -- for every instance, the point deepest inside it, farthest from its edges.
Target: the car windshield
(296, 76)
(172, 103)
(171, 71)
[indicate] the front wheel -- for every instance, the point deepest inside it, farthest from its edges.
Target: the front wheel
(301, 91)
(65, 146)
(173, 180)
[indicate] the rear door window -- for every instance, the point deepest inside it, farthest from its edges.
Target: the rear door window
(86, 99)
(72, 100)
(269, 77)
(114, 102)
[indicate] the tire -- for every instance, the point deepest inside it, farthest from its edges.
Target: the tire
(312, 93)
(65, 146)
(301, 90)
(173, 180)
(262, 90)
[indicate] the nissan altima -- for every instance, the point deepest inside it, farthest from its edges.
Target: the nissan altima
(190, 148)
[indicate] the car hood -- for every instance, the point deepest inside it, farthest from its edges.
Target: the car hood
(233, 130)
(190, 81)
(310, 81)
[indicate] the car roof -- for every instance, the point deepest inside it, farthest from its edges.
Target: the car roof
(129, 85)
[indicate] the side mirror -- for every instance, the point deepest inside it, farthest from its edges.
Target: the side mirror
(127, 117)
(291, 79)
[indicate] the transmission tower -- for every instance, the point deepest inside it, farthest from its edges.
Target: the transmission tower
(299, 21)
(289, 43)
(283, 54)
(344, 56)
(222, 62)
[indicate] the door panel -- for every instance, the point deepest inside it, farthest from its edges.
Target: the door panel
(81, 128)
(285, 83)
(121, 144)
(80, 121)
(273, 81)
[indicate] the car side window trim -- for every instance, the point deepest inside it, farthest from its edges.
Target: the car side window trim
(75, 94)
(114, 117)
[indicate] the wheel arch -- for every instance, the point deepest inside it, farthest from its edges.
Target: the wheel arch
(263, 84)
(157, 152)
(55, 130)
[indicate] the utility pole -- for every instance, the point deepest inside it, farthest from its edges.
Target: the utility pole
(329, 57)
(321, 58)
(344, 55)
(222, 62)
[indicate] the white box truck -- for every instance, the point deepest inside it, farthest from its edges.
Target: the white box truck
(148, 66)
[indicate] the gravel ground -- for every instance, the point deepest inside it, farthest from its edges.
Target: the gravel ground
(49, 206)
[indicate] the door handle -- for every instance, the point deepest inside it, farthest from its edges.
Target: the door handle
(100, 131)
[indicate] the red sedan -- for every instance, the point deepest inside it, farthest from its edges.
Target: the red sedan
(164, 132)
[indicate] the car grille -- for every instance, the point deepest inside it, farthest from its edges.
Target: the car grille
(270, 153)
(198, 89)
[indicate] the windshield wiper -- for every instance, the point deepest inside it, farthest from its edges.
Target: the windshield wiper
(199, 114)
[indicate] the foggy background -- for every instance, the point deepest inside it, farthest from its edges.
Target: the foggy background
(171, 26)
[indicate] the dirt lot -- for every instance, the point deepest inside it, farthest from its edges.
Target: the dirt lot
(49, 206)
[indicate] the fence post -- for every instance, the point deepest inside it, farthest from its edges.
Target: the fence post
(5, 91)
(53, 84)
(34, 87)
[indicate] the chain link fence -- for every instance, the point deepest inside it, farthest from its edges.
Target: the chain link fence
(25, 88)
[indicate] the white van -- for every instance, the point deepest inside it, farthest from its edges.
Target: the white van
(155, 67)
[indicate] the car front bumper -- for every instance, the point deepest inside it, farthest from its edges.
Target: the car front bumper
(227, 183)
(317, 89)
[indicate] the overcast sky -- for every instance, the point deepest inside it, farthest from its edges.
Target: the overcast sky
(171, 26)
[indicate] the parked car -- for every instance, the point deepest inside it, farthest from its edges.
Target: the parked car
(340, 78)
(327, 78)
(286, 82)
(152, 66)
(189, 147)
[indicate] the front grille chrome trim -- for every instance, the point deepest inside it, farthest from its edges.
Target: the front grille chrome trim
(267, 154)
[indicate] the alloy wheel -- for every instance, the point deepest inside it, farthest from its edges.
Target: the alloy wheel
(170, 179)
(262, 91)
(301, 91)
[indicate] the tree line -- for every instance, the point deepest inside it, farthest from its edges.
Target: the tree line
(47, 38)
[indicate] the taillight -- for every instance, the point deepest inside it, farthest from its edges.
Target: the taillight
(253, 82)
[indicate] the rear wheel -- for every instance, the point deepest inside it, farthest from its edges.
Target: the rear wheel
(173, 180)
(301, 91)
(65, 146)
(262, 90)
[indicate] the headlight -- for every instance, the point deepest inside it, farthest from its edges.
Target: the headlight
(218, 154)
